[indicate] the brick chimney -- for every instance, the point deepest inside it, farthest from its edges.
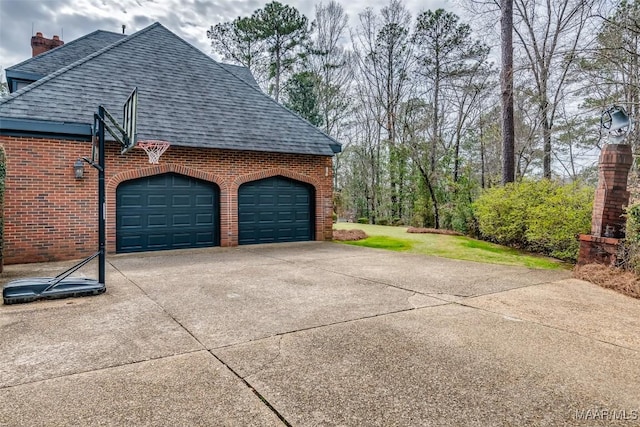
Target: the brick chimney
(40, 44)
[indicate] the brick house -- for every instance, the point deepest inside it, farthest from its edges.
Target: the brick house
(241, 168)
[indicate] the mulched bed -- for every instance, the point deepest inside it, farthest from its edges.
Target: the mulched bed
(349, 235)
(619, 280)
(433, 231)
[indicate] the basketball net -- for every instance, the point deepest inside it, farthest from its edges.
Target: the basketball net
(154, 149)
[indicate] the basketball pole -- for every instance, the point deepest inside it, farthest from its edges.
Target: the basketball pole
(64, 286)
(101, 199)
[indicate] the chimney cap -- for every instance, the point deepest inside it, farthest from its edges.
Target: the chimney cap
(38, 34)
(56, 38)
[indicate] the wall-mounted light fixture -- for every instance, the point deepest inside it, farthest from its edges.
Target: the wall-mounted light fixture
(78, 169)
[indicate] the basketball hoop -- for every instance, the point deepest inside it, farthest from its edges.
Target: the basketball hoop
(154, 149)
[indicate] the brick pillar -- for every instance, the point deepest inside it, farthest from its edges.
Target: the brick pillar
(611, 195)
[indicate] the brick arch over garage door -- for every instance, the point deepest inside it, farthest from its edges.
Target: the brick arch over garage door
(276, 206)
(164, 207)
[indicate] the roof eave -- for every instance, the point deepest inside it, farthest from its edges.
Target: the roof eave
(43, 129)
(23, 75)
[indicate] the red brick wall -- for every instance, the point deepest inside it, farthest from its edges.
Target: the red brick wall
(50, 215)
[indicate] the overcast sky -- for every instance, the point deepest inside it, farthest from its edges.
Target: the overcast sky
(190, 19)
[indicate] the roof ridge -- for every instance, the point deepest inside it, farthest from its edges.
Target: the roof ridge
(79, 62)
(71, 43)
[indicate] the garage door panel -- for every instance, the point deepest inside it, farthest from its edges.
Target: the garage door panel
(301, 199)
(246, 199)
(156, 240)
(302, 216)
(204, 238)
(132, 241)
(204, 200)
(182, 200)
(167, 211)
(275, 209)
(286, 233)
(181, 220)
(158, 182)
(157, 221)
(181, 239)
(285, 199)
(204, 219)
(247, 217)
(266, 234)
(287, 216)
(131, 200)
(136, 184)
(131, 221)
(266, 200)
(267, 217)
(178, 182)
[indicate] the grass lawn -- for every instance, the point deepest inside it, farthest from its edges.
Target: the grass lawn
(456, 247)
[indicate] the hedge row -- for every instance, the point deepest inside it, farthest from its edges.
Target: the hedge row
(540, 216)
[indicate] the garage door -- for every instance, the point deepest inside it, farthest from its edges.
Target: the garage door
(275, 210)
(167, 211)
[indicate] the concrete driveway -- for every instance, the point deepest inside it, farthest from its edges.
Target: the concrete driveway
(320, 334)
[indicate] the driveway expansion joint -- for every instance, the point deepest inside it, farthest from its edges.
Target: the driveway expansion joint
(325, 325)
(203, 347)
(104, 368)
(254, 391)
(544, 325)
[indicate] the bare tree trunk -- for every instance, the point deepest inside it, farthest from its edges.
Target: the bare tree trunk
(436, 94)
(276, 94)
(434, 200)
(546, 134)
(391, 133)
(456, 159)
(508, 129)
(482, 155)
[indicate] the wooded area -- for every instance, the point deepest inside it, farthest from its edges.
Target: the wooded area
(416, 100)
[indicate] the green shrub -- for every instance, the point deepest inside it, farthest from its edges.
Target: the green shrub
(552, 226)
(456, 212)
(363, 220)
(501, 215)
(541, 216)
(458, 216)
(632, 232)
(629, 248)
(383, 221)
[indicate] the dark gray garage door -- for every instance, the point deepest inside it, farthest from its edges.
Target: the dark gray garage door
(167, 211)
(275, 210)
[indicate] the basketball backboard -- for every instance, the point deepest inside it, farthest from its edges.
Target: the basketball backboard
(130, 117)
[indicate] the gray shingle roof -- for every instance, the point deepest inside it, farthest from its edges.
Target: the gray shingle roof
(68, 53)
(185, 97)
(241, 73)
